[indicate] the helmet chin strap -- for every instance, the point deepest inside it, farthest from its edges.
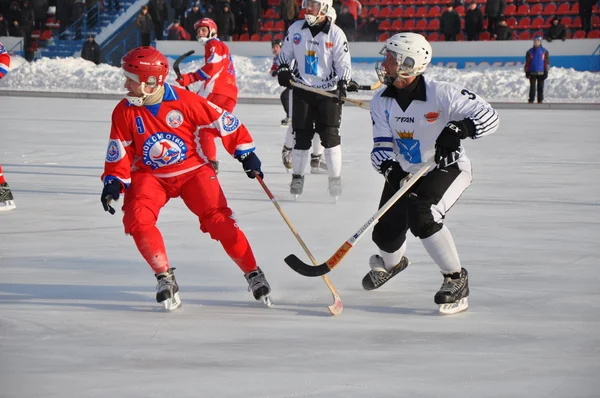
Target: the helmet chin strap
(146, 98)
(203, 40)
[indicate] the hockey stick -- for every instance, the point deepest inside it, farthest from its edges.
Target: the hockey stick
(178, 61)
(337, 307)
(304, 269)
(359, 103)
(373, 86)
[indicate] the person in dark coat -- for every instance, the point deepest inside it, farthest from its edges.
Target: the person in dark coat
(252, 15)
(346, 21)
(3, 26)
(556, 31)
(225, 23)
(289, 10)
(368, 29)
(585, 13)
(145, 24)
(159, 14)
(494, 9)
(91, 50)
(450, 23)
(503, 31)
(40, 7)
(179, 7)
(190, 19)
(537, 64)
(473, 22)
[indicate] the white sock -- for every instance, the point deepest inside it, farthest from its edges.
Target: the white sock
(333, 158)
(442, 250)
(390, 260)
(317, 148)
(289, 137)
(300, 161)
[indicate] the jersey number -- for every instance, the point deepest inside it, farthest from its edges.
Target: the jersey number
(469, 94)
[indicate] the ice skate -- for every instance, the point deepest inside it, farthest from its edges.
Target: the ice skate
(258, 285)
(167, 290)
(317, 164)
(286, 122)
(379, 274)
(7, 201)
(297, 185)
(215, 165)
(453, 295)
(335, 187)
(286, 158)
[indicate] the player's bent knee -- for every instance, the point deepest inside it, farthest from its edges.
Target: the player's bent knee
(139, 218)
(386, 241)
(303, 140)
(421, 222)
(330, 137)
(221, 226)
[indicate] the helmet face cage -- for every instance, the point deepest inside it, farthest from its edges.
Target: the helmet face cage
(324, 6)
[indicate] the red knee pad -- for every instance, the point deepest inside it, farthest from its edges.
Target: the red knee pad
(138, 218)
(221, 225)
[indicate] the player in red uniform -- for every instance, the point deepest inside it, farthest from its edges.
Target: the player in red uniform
(153, 155)
(7, 201)
(217, 77)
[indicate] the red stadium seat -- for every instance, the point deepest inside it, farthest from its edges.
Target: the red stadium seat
(409, 25)
(484, 36)
(575, 9)
(396, 25)
(580, 34)
(383, 37)
(512, 22)
(594, 34)
(397, 13)
(435, 36)
(46, 35)
(279, 26)
(460, 10)
(595, 21)
(576, 23)
(409, 12)
(537, 23)
(272, 13)
(255, 37)
(244, 37)
(434, 25)
(279, 36)
(266, 37)
(524, 23)
(434, 12)
(385, 12)
(536, 9)
(421, 24)
(267, 26)
(374, 12)
(510, 10)
(562, 9)
(523, 10)
(566, 21)
(550, 9)
(421, 12)
(385, 25)
(537, 33)
(525, 35)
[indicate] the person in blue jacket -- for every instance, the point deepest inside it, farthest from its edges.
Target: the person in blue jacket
(537, 63)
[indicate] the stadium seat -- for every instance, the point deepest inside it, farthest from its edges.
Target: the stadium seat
(266, 37)
(484, 36)
(575, 9)
(421, 12)
(374, 12)
(383, 3)
(255, 37)
(279, 26)
(409, 12)
(460, 10)
(383, 37)
(594, 34)
(396, 25)
(511, 9)
(244, 37)
(272, 13)
(595, 21)
(550, 9)
(434, 12)
(434, 25)
(576, 23)
(525, 35)
(537, 33)
(385, 12)
(385, 25)
(524, 23)
(397, 13)
(580, 34)
(523, 10)
(537, 23)
(565, 21)
(267, 26)
(435, 36)
(409, 25)
(536, 9)
(279, 36)
(421, 24)
(46, 35)
(563, 9)
(512, 22)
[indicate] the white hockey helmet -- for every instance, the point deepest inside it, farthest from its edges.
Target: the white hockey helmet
(324, 6)
(331, 14)
(411, 52)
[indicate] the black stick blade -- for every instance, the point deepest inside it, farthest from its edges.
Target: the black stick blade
(306, 269)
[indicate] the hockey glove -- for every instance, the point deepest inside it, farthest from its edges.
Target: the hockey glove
(545, 75)
(342, 92)
(352, 86)
(187, 79)
(393, 173)
(447, 145)
(251, 163)
(111, 191)
(528, 75)
(284, 76)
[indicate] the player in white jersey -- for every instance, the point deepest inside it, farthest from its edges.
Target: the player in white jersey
(320, 49)
(416, 119)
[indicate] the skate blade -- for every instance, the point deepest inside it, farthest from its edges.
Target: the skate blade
(317, 170)
(8, 205)
(454, 308)
(267, 300)
(295, 196)
(336, 199)
(171, 304)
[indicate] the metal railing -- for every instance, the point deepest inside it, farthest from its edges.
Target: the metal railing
(595, 60)
(124, 39)
(18, 52)
(83, 25)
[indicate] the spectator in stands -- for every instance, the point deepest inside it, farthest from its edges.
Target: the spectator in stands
(473, 22)
(503, 31)
(556, 31)
(190, 19)
(450, 23)
(39, 12)
(237, 8)
(91, 50)
(585, 12)
(225, 23)
(494, 9)
(288, 10)
(14, 13)
(253, 8)
(537, 64)
(179, 7)
(176, 31)
(64, 10)
(354, 8)
(210, 13)
(3, 26)
(15, 30)
(368, 29)
(77, 12)
(159, 14)
(144, 23)
(346, 21)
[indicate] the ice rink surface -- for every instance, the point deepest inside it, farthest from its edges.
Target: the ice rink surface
(78, 316)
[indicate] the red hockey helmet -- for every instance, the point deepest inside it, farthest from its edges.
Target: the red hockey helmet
(146, 65)
(210, 24)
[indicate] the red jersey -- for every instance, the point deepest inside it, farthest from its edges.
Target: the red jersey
(218, 74)
(4, 61)
(163, 139)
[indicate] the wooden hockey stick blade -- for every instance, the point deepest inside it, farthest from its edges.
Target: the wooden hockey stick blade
(307, 270)
(178, 61)
(359, 103)
(373, 86)
(337, 307)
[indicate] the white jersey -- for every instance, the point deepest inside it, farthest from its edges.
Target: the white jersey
(321, 61)
(409, 136)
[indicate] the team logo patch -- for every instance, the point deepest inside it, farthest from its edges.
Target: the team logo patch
(297, 38)
(230, 122)
(163, 149)
(113, 153)
(432, 116)
(328, 44)
(174, 119)
(405, 134)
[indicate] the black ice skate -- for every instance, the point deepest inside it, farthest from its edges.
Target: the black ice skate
(7, 201)
(379, 274)
(167, 290)
(297, 185)
(286, 158)
(317, 164)
(258, 285)
(452, 296)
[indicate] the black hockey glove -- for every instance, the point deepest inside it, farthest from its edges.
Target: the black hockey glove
(251, 163)
(353, 87)
(393, 173)
(545, 76)
(528, 75)
(447, 145)
(342, 92)
(284, 76)
(111, 191)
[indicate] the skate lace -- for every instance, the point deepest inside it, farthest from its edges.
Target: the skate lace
(452, 285)
(379, 277)
(296, 183)
(165, 283)
(256, 282)
(5, 194)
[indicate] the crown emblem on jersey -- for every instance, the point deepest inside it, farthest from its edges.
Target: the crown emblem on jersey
(311, 53)
(405, 134)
